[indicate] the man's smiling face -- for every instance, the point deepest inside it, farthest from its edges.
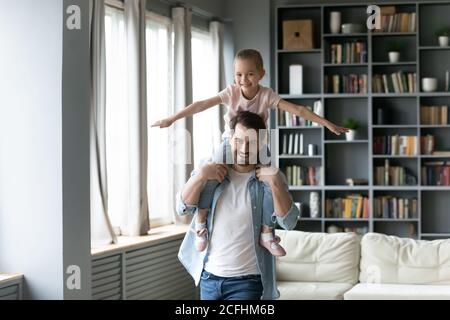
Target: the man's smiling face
(244, 145)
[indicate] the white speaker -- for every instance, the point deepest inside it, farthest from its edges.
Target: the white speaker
(296, 79)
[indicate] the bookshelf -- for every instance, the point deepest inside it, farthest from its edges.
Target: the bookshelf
(402, 116)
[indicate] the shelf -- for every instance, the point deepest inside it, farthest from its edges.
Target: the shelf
(396, 220)
(299, 51)
(388, 34)
(299, 157)
(383, 156)
(345, 64)
(341, 159)
(347, 142)
(435, 126)
(301, 96)
(393, 95)
(394, 126)
(434, 48)
(344, 35)
(405, 63)
(305, 188)
(395, 188)
(347, 219)
(299, 127)
(435, 94)
(345, 95)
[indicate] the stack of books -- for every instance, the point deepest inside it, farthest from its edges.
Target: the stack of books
(348, 52)
(353, 206)
(397, 82)
(360, 231)
(292, 144)
(391, 21)
(291, 120)
(436, 115)
(303, 175)
(436, 173)
(389, 207)
(388, 175)
(351, 83)
(395, 145)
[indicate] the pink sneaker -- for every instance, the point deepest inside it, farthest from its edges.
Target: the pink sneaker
(201, 240)
(271, 243)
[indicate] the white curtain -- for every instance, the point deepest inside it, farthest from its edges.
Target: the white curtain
(136, 221)
(101, 229)
(181, 131)
(216, 29)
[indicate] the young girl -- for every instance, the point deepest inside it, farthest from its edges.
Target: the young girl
(245, 94)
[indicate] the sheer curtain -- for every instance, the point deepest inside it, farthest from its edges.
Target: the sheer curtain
(101, 229)
(159, 102)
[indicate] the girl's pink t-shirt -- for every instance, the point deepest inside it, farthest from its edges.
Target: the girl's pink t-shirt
(235, 101)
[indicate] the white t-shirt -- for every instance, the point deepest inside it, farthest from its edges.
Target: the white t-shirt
(231, 245)
(235, 101)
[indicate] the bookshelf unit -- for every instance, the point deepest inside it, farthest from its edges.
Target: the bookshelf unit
(340, 159)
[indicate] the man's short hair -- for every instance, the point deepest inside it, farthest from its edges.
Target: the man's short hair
(249, 120)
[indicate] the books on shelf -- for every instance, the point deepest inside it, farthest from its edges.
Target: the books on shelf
(436, 173)
(388, 175)
(391, 21)
(291, 120)
(435, 115)
(350, 83)
(395, 145)
(427, 144)
(353, 206)
(348, 52)
(397, 82)
(303, 175)
(292, 144)
(390, 207)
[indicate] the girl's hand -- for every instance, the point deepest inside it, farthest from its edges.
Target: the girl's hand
(164, 123)
(336, 129)
(267, 174)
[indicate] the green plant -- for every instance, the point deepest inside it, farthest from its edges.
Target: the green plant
(443, 32)
(395, 46)
(351, 123)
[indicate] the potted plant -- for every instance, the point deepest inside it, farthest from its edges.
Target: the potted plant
(443, 34)
(394, 49)
(353, 125)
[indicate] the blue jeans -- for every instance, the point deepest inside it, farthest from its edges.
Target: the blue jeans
(247, 287)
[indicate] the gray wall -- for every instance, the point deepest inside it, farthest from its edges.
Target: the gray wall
(43, 228)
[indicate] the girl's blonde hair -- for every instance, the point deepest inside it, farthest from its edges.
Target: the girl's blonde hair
(250, 54)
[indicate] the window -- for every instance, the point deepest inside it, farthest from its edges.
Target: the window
(159, 105)
(204, 86)
(116, 114)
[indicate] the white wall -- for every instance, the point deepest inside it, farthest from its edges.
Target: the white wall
(44, 147)
(30, 144)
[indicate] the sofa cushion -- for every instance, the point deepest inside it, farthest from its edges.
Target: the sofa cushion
(312, 290)
(389, 259)
(374, 291)
(318, 257)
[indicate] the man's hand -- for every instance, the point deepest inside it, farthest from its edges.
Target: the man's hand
(267, 174)
(213, 171)
(163, 123)
(336, 129)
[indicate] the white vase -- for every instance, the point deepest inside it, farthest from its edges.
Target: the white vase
(335, 22)
(394, 56)
(350, 135)
(314, 201)
(429, 84)
(443, 41)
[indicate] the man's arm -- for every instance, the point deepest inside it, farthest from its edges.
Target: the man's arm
(190, 194)
(277, 199)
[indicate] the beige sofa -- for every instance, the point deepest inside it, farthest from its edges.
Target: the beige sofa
(344, 266)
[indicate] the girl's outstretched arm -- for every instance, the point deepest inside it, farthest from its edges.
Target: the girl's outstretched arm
(304, 112)
(190, 110)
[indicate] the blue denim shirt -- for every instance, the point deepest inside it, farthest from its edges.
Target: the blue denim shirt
(262, 202)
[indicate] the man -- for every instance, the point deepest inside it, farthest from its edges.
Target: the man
(235, 266)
